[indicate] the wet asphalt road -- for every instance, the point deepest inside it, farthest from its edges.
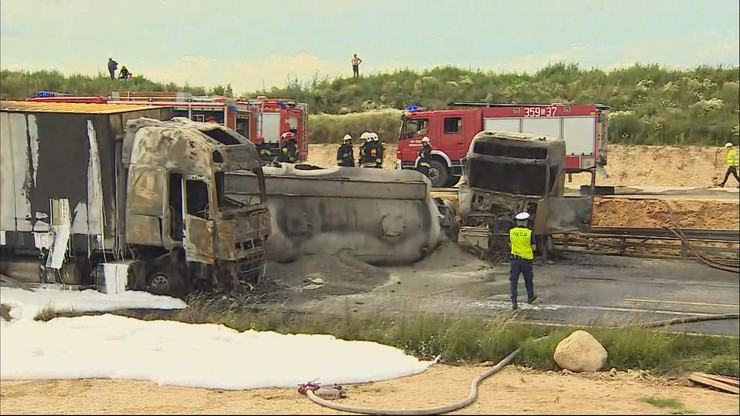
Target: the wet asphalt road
(612, 291)
(578, 289)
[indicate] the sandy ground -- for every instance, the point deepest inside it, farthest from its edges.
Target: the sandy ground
(690, 166)
(623, 212)
(512, 391)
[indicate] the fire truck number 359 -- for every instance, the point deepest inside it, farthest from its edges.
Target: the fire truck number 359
(540, 111)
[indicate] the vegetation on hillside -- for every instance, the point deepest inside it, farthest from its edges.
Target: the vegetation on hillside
(650, 104)
(15, 85)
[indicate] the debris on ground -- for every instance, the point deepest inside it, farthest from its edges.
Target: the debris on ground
(722, 383)
(327, 275)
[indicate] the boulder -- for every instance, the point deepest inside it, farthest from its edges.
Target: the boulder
(580, 352)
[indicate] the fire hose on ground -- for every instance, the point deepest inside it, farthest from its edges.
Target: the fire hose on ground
(678, 232)
(309, 388)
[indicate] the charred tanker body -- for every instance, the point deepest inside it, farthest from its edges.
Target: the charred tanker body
(380, 216)
(506, 173)
(115, 197)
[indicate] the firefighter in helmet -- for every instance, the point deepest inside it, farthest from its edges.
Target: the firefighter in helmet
(288, 148)
(372, 156)
(380, 149)
(263, 149)
(363, 142)
(425, 157)
(345, 154)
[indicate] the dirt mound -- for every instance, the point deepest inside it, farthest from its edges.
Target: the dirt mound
(649, 213)
(447, 255)
(327, 275)
(690, 166)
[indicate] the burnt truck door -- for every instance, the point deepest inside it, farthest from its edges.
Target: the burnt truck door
(564, 214)
(199, 232)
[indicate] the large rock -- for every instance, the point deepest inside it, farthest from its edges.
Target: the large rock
(580, 352)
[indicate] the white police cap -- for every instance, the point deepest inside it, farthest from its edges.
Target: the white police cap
(522, 216)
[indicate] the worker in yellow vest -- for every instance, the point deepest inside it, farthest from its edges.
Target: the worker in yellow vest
(521, 241)
(732, 164)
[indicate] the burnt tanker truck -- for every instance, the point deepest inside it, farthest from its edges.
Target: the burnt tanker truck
(379, 216)
(125, 198)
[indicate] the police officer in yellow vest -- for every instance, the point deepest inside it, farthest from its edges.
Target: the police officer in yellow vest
(732, 164)
(521, 241)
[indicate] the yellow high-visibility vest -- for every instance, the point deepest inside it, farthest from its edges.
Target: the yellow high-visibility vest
(521, 242)
(732, 158)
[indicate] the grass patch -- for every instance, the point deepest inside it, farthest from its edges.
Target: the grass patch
(465, 339)
(668, 403)
(330, 128)
(5, 312)
(48, 313)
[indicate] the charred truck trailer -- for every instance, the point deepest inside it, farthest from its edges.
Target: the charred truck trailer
(506, 173)
(379, 216)
(113, 196)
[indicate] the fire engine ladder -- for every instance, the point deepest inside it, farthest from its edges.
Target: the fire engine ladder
(487, 104)
(260, 121)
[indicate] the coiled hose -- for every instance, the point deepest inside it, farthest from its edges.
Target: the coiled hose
(493, 370)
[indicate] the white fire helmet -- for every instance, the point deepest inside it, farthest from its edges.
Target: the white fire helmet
(365, 136)
(375, 137)
(347, 138)
(728, 144)
(425, 139)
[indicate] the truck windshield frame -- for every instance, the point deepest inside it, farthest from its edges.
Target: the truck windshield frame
(227, 204)
(510, 178)
(420, 124)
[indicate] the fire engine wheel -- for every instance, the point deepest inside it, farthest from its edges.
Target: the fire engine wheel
(438, 174)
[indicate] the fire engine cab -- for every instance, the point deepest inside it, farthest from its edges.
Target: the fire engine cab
(261, 117)
(583, 127)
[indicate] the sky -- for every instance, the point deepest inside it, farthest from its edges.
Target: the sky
(256, 44)
(52, 350)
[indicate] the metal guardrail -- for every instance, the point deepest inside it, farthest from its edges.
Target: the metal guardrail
(653, 243)
(692, 234)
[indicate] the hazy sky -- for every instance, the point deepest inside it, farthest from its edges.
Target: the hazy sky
(253, 43)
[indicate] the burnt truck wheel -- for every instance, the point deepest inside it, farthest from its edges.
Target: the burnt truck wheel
(438, 174)
(165, 284)
(452, 226)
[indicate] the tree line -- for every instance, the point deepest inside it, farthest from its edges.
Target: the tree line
(651, 104)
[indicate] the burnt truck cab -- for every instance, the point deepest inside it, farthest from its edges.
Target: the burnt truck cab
(112, 197)
(506, 173)
(176, 173)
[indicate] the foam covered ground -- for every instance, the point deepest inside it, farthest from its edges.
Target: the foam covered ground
(175, 353)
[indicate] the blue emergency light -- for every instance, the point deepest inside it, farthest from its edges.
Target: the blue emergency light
(415, 108)
(52, 94)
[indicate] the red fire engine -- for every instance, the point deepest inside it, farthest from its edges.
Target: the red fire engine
(583, 127)
(252, 118)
